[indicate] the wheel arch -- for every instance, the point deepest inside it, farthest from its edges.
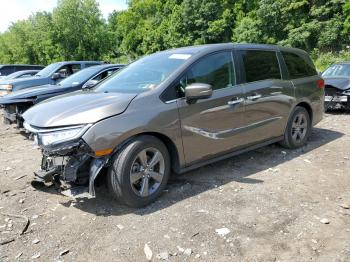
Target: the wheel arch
(169, 144)
(308, 108)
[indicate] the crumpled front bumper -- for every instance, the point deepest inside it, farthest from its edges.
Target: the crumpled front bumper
(337, 99)
(71, 162)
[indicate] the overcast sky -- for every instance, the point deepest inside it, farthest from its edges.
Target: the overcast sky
(14, 10)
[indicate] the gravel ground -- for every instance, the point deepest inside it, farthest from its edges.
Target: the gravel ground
(271, 204)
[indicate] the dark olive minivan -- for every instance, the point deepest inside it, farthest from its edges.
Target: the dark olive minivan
(174, 111)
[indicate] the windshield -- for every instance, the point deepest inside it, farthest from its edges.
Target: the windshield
(144, 74)
(338, 70)
(47, 71)
(79, 77)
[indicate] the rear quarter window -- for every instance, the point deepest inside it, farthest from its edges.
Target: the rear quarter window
(260, 65)
(298, 66)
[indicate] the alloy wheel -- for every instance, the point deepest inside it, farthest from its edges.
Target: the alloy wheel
(299, 127)
(147, 172)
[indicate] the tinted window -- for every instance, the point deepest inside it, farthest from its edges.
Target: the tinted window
(216, 70)
(105, 74)
(79, 77)
(76, 68)
(89, 65)
(6, 70)
(260, 65)
(298, 66)
(68, 70)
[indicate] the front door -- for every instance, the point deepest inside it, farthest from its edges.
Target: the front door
(212, 126)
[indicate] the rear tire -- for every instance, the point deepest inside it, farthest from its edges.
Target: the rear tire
(140, 172)
(298, 129)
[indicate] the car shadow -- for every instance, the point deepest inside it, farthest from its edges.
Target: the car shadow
(239, 169)
(340, 111)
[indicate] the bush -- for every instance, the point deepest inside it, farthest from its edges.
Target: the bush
(324, 60)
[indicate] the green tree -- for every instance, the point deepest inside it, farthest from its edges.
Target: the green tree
(79, 29)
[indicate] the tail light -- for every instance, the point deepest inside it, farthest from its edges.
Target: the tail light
(320, 83)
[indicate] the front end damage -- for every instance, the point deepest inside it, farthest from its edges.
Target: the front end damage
(336, 98)
(70, 162)
(13, 113)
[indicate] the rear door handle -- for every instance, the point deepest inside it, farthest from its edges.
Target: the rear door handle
(254, 97)
(235, 102)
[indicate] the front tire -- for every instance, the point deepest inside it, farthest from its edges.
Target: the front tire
(140, 172)
(298, 129)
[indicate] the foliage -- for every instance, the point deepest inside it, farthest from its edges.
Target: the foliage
(324, 60)
(76, 30)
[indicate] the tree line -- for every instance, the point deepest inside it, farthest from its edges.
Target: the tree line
(76, 29)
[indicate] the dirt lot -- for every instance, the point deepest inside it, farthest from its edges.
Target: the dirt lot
(273, 204)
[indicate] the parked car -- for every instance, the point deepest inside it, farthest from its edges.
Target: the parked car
(16, 103)
(52, 74)
(337, 86)
(9, 69)
(174, 111)
(20, 74)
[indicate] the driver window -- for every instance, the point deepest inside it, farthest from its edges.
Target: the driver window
(104, 74)
(68, 70)
(216, 70)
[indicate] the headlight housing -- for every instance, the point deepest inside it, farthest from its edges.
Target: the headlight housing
(50, 137)
(346, 92)
(6, 87)
(4, 92)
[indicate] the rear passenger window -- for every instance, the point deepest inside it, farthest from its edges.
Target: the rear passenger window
(216, 70)
(298, 66)
(260, 65)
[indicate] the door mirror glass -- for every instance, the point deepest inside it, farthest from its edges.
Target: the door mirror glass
(91, 83)
(56, 76)
(198, 91)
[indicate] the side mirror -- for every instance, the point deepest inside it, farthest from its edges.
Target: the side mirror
(198, 91)
(56, 76)
(90, 84)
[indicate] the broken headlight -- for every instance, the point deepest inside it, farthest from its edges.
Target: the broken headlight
(48, 137)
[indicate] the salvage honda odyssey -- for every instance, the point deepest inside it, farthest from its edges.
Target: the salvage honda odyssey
(174, 111)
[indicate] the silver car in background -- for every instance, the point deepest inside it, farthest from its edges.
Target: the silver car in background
(174, 111)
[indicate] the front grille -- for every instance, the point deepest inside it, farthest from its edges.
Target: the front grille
(331, 91)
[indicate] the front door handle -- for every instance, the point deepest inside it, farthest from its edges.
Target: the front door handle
(235, 102)
(254, 97)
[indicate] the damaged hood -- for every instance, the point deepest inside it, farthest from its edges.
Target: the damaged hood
(81, 107)
(30, 94)
(341, 83)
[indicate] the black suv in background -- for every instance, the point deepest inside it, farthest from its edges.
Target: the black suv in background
(9, 69)
(52, 74)
(337, 80)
